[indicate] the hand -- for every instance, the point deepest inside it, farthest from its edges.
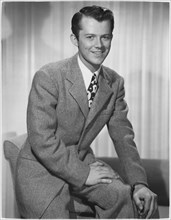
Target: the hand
(145, 200)
(100, 173)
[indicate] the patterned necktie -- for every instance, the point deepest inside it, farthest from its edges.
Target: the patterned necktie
(91, 91)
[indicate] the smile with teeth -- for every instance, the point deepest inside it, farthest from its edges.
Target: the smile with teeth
(98, 52)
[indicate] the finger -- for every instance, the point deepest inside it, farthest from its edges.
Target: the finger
(113, 175)
(147, 205)
(105, 181)
(97, 163)
(155, 213)
(153, 207)
(150, 209)
(104, 171)
(108, 173)
(105, 175)
(108, 169)
(139, 203)
(141, 209)
(100, 163)
(102, 168)
(116, 176)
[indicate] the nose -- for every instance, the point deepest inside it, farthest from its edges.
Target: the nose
(99, 43)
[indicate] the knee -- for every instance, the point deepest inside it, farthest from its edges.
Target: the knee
(124, 192)
(118, 194)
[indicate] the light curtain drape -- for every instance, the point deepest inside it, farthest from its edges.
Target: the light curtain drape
(34, 34)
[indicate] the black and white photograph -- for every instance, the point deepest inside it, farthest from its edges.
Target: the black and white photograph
(85, 109)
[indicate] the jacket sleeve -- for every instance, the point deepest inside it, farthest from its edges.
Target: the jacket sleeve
(43, 136)
(122, 135)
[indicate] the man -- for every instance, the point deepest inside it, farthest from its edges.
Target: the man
(64, 116)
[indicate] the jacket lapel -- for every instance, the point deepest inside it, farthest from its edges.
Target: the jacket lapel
(77, 89)
(102, 96)
(78, 92)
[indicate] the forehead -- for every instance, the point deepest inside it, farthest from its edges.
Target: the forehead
(91, 25)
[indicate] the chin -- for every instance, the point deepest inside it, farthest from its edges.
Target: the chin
(98, 62)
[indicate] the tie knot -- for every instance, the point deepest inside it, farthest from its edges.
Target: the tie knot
(94, 74)
(94, 78)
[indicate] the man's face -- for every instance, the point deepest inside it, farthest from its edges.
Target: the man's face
(94, 42)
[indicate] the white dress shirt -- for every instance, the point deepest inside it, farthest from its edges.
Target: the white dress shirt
(86, 73)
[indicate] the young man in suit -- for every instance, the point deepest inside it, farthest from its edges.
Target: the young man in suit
(64, 116)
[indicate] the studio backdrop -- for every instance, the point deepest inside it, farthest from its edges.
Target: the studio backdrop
(36, 33)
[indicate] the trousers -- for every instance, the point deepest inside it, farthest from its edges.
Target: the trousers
(101, 201)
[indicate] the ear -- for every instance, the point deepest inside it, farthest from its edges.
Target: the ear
(74, 39)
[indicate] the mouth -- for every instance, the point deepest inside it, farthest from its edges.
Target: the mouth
(98, 53)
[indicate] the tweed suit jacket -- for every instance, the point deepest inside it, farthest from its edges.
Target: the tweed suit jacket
(61, 128)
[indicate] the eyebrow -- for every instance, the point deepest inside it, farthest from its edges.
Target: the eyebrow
(99, 35)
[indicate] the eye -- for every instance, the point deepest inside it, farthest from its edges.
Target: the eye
(107, 37)
(90, 37)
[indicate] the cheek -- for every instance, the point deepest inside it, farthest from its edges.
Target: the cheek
(83, 46)
(107, 45)
(107, 48)
(85, 49)
(86, 44)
